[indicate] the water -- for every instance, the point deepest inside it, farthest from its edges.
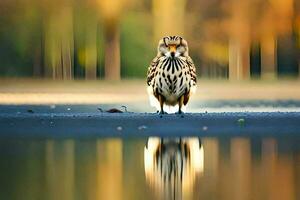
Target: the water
(150, 168)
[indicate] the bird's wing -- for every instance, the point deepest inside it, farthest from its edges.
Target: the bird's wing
(192, 70)
(151, 70)
(150, 76)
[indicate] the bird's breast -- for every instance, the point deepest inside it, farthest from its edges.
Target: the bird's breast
(172, 79)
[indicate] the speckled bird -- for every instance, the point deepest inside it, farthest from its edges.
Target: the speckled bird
(171, 76)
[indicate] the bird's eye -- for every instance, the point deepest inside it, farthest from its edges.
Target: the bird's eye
(165, 41)
(162, 45)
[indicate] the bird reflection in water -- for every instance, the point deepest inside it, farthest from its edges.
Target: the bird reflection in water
(172, 166)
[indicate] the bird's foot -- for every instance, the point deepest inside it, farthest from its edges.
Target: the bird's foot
(180, 113)
(161, 113)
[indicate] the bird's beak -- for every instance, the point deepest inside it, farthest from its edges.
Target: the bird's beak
(172, 48)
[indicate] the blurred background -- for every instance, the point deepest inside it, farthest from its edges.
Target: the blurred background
(247, 54)
(114, 39)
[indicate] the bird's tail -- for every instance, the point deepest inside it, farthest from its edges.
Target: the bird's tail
(155, 103)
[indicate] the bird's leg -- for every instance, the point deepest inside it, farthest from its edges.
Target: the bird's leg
(180, 103)
(161, 103)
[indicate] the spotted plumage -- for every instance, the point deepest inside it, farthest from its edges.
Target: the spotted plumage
(171, 75)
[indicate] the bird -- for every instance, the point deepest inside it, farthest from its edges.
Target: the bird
(172, 165)
(171, 75)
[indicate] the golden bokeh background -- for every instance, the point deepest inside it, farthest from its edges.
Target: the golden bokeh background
(114, 39)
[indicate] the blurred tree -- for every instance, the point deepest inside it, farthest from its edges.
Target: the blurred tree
(111, 12)
(276, 38)
(169, 18)
(215, 48)
(286, 41)
(255, 60)
(59, 41)
(90, 39)
(20, 38)
(268, 46)
(206, 30)
(297, 29)
(87, 34)
(137, 48)
(91, 50)
(239, 39)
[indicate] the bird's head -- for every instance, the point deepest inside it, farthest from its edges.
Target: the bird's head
(172, 46)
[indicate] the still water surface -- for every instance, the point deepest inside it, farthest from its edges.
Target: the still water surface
(150, 168)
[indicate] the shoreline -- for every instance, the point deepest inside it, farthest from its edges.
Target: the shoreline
(93, 125)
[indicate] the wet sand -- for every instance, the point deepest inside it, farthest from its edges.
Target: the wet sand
(90, 124)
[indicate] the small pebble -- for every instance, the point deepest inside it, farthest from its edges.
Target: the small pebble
(241, 122)
(142, 127)
(204, 128)
(119, 128)
(114, 110)
(30, 111)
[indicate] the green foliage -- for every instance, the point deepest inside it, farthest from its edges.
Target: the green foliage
(20, 36)
(137, 45)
